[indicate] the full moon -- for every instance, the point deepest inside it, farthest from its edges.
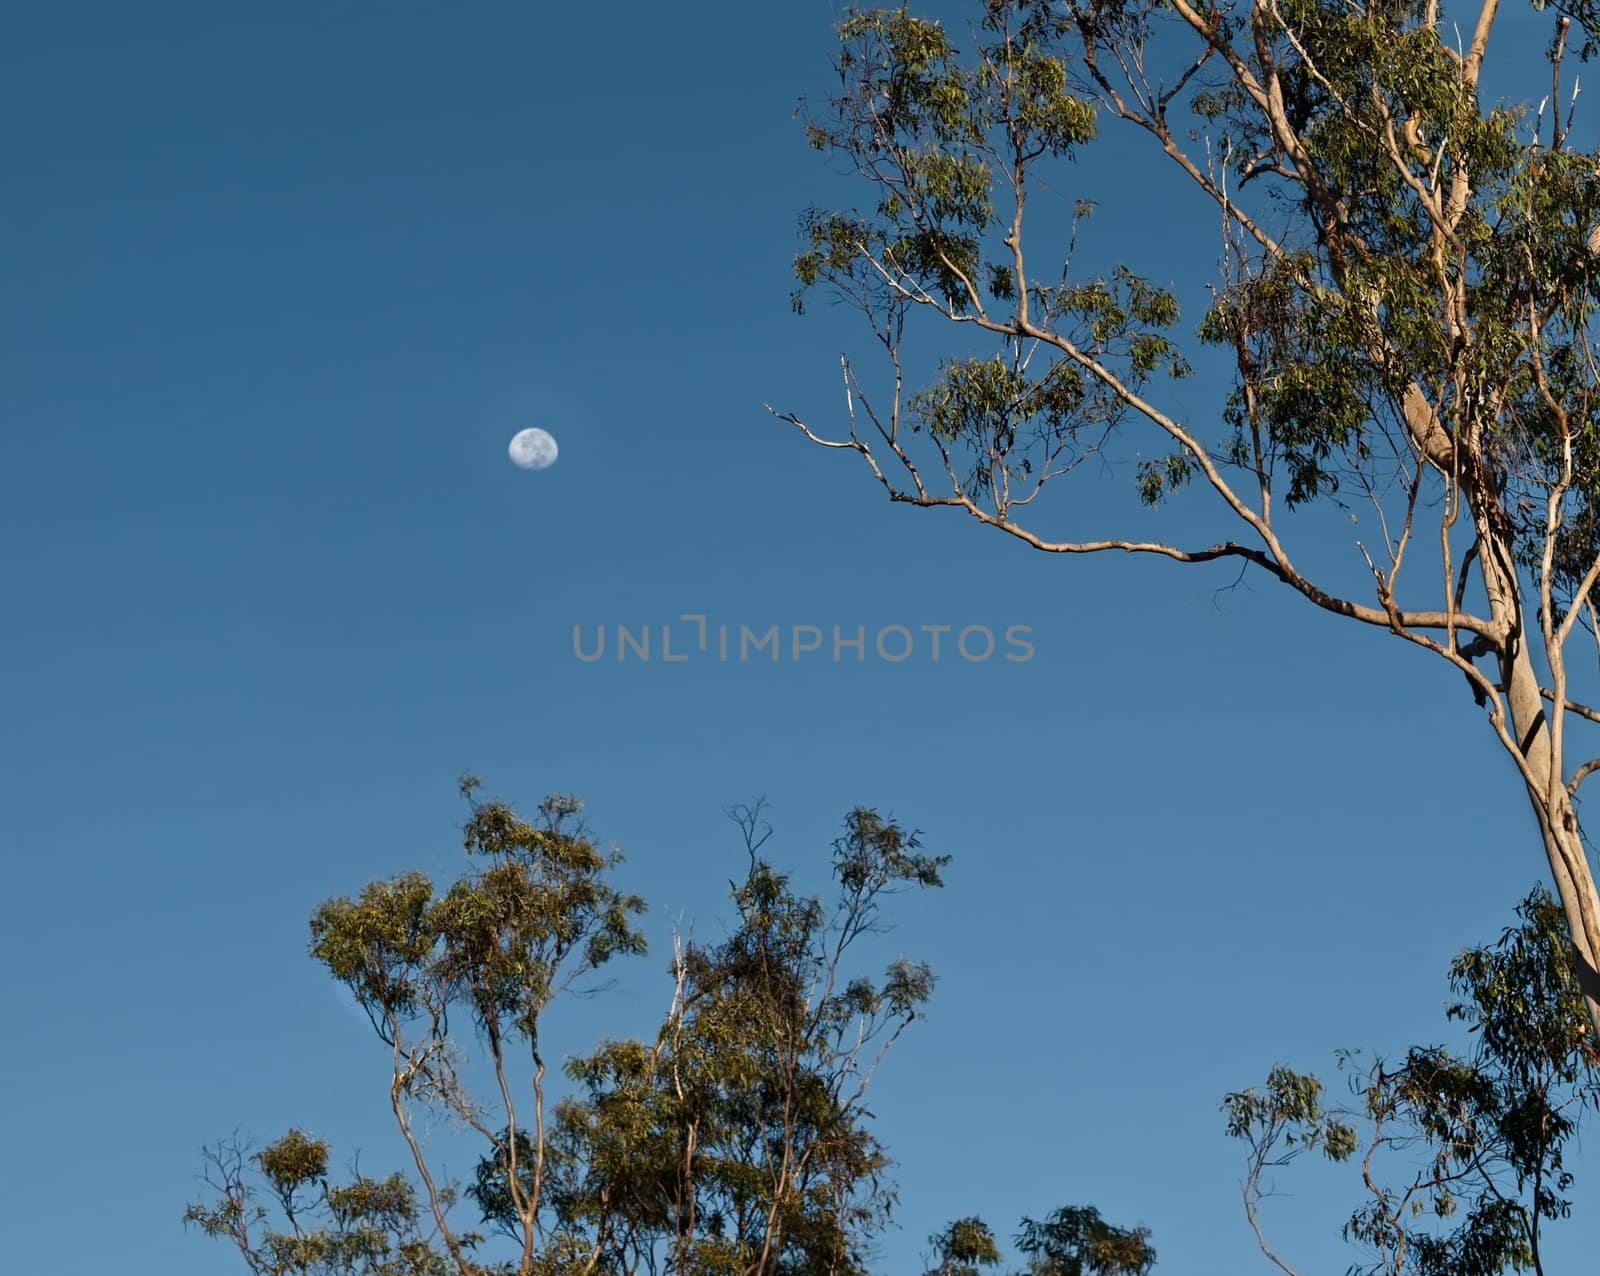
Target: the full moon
(533, 449)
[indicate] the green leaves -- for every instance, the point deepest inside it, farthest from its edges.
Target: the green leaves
(740, 1129)
(377, 943)
(1001, 412)
(1521, 999)
(899, 65)
(1475, 1143)
(363, 1227)
(1043, 113)
(877, 855)
(963, 1247)
(1288, 1109)
(387, 1204)
(1159, 478)
(939, 135)
(1387, 240)
(500, 940)
(1076, 1241)
(1303, 402)
(1072, 1241)
(293, 1161)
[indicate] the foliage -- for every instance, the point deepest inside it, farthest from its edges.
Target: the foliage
(1405, 309)
(1072, 1241)
(1477, 1140)
(1461, 1157)
(735, 1141)
(365, 1227)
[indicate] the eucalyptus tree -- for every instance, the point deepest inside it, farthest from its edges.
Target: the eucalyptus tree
(735, 1137)
(1461, 1155)
(1405, 307)
(735, 1140)
(1071, 1241)
(1459, 1158)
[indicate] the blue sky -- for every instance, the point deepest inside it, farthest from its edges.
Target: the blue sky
(280, 286)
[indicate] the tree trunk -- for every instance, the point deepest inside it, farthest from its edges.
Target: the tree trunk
(1558, 822)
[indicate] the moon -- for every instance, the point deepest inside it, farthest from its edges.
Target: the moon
(533, 449)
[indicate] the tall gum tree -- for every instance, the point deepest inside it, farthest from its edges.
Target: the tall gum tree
(1406, 305)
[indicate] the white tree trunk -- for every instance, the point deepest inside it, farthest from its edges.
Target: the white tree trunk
(1558, 822)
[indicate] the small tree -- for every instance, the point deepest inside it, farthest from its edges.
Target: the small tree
(1478, 1140)
(364, 1227)
(1461, 1158)
(962, 1248)
(736, 1141)
(1072, 1241)
(1076, 1241)
(1406, 308)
